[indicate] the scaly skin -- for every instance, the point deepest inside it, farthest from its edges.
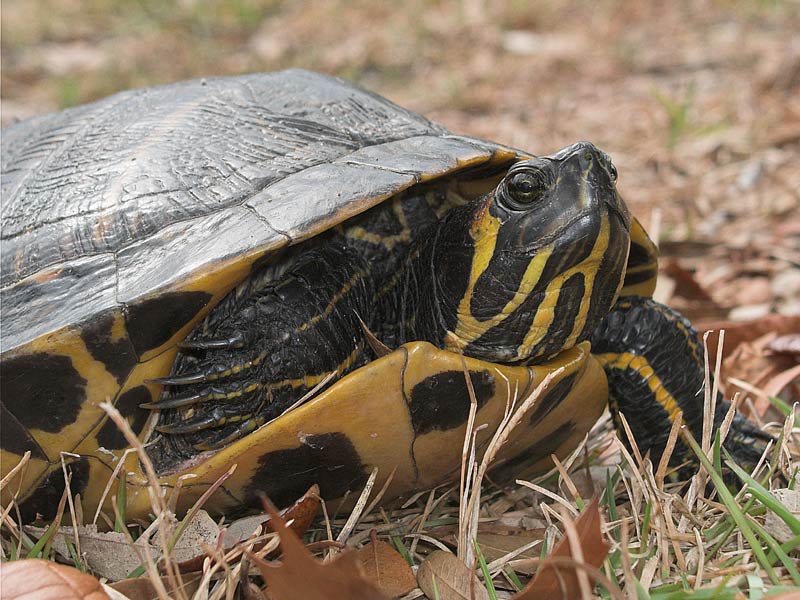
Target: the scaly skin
(654, 361)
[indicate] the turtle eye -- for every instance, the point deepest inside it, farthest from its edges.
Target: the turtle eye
(613, 172)
(526, 187)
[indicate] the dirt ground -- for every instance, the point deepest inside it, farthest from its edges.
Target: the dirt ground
(697, 102)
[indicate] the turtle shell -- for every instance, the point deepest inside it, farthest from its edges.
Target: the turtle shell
(126, 220)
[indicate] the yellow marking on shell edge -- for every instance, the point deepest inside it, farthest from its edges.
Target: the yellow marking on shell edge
(118, 330)
(627, 360)
(640, 237)
(100, 386)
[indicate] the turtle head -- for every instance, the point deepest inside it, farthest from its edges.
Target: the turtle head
(546, 257)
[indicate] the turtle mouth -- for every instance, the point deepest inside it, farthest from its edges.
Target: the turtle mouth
(579, 228)
(615, 205)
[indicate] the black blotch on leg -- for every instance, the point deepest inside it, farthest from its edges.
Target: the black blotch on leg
(109, 436)
(152, 322)
(43, 391)
(329, 460)
(536, 451)
(553, 398)
(44, 501)
(441, 401)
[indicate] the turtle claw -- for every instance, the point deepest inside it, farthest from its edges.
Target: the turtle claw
(207, 393)
(209, 374)
(247, 426)
(192, 425)
(198, 377)
(237, 340)
(177, 401)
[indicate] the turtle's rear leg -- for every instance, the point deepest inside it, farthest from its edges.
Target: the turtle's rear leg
(266, 345)
(654, 361)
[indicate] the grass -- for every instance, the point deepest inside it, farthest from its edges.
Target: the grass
(670, 540)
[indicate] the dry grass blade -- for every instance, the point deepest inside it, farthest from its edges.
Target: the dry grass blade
(358, 510)
(471, 492)
(467, 463)
(164, 518)
(23, 462)
(142, 587)
(566, 563)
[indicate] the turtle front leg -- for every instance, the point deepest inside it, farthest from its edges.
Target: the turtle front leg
(270, 342)
(654, 360)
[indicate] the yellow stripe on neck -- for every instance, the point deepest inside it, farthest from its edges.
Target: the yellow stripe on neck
(468, 329)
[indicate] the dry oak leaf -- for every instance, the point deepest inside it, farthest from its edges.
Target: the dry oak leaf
(300, 575)
(737, 332)
(301, 514)
(444, 576)
(37, 579)
(557, 578)
(386, 568)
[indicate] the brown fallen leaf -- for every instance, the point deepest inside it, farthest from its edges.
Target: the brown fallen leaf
(142, 588)
(496, 545)
(774, 524)
(788, 344)
(300, 575)
(737, 332)
(110, 554)
(37, 579)
(557, 577)
(786, 385)
(444, 576)
(498, 538)
(386, 568)
(686, 286)
(752, 370)
(301, 514)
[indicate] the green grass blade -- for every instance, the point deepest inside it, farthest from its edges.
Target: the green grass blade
(513, 578)
(122, 504)
(646, 521)
(764, 496)
(401, 549)
(38, 547)
(781, 406)
(777, 552)
(733, 508)
(487, 576)
(73, 554)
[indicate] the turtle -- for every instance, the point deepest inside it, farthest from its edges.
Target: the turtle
(290, 274)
